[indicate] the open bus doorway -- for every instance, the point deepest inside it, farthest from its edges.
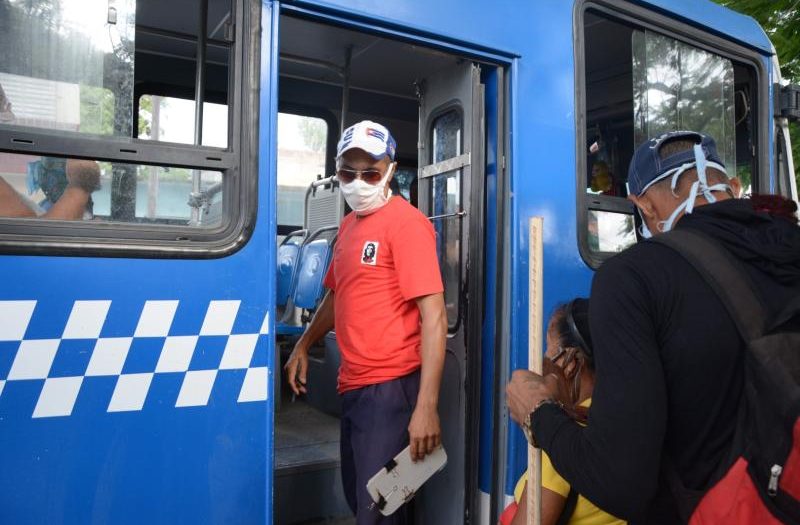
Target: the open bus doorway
(432, 102)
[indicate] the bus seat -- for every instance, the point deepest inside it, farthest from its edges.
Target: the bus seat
(288, 255)
(313, 260)
(323, 377)
(313, 265)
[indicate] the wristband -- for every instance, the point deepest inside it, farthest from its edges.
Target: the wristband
(527, 425)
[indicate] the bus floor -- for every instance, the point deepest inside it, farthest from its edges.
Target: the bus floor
(308, 486)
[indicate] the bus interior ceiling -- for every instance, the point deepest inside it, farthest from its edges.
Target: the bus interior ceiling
(166, 49)
(382, 78)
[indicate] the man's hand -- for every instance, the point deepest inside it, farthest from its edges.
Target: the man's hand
(296, 368)
(424, 431)
(526, 390)
(83, 174)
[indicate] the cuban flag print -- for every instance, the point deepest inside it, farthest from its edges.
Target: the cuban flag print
(372, 132)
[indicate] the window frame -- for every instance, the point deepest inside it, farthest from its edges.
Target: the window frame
(453, 106)
(647, 19)
(784, 162)
(237, 163)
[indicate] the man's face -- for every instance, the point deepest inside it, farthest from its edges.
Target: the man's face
(357, 159)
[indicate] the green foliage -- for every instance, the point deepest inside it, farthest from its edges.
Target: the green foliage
(145, 122)
(315, 133)
(97, 110)
(781, 21)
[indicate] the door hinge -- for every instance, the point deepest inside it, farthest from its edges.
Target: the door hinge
(787, 101)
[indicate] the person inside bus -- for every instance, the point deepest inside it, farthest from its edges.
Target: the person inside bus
(601, 180)
(385, 301)
(67, 186)
(569, 355)
(669, 357)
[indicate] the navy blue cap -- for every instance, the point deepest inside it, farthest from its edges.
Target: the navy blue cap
(647, 167)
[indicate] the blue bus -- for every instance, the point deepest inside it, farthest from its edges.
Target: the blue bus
(142, 338)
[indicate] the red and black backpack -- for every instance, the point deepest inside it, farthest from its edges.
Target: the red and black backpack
(759, 481)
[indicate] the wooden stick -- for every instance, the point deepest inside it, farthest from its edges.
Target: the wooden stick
(535, 351)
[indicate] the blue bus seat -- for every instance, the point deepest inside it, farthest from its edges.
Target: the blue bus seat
(311, 272)
(313, 260)
(288, 256)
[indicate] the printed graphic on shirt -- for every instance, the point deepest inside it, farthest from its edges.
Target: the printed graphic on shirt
(369, 253)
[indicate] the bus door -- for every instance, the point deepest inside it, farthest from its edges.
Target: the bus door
(451, 142)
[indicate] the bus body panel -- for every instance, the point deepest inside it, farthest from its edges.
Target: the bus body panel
(103, 442)
(123, 452)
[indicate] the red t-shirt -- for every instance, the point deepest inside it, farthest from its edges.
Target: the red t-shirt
(381, 263)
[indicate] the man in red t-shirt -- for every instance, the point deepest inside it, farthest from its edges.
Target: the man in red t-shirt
(386, 304)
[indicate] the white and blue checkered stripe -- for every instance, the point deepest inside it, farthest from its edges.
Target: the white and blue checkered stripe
(89, 346)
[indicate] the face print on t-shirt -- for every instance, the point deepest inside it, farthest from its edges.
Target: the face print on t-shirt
(369, 253)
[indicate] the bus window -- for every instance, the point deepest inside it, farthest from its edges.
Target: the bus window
(445, 206)
(102, 98)
(406, 180)
(677, 86)
(638, 84)
(58, 59)
(171, 119)
(302, 154)
(164, 195)
(610, 232)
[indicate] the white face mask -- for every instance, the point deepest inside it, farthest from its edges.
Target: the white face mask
(366, 198)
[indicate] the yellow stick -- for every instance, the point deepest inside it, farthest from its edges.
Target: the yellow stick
(535, 351)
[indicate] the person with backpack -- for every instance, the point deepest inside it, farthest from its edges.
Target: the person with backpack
(569, 355)
(696, 402)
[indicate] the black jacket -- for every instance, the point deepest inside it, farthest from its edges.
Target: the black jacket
(669, 365)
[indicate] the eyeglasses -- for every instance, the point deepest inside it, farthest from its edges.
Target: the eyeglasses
(371, 176)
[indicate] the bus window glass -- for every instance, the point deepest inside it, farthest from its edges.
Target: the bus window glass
(57, 188)
(445, 206)
(67, 66)
(302, 154)
(610, 232)
(171, 119)
(677, 86)
(640, 84)
(406, 179)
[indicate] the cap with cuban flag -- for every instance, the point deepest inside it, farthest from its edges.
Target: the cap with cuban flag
(369, 136)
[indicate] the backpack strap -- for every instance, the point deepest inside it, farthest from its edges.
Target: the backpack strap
(725, 276)
(733, 286)
(569, 507)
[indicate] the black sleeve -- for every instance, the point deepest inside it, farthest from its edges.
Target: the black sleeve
(614, 462)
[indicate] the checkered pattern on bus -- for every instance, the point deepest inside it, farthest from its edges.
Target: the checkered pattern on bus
(38, 345)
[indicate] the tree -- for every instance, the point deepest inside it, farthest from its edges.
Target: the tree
(781, 21)
(314, 133)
